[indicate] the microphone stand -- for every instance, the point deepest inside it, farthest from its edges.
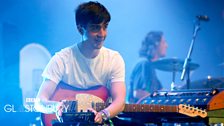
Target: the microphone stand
(186, 68)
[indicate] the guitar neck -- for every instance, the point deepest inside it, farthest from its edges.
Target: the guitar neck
(142, 108)
(150, 108)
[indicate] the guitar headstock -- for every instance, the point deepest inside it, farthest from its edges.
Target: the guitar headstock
(191, 111)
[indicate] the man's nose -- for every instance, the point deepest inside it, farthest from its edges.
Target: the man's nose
(102, 32)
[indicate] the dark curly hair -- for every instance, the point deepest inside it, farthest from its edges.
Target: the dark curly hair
(91, 12)
(150, 44)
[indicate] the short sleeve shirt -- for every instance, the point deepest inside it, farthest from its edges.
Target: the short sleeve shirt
(144, 77)
(73, 68)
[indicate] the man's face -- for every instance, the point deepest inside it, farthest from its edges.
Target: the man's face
(95, 34)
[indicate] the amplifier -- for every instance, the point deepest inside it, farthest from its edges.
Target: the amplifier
(208, 99)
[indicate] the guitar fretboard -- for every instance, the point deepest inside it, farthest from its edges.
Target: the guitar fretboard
(149, 108)
(142, 108)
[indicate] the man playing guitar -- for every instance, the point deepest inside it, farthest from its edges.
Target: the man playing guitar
(86, 64)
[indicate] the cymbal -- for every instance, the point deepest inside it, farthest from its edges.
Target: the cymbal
(205, 83)
(216, 82)
(173, 64)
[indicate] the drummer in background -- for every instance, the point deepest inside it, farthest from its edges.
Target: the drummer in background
(143, 80)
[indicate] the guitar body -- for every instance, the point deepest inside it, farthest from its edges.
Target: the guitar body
(84, 96)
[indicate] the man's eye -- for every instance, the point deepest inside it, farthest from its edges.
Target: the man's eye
(105, 26)
(95, 28)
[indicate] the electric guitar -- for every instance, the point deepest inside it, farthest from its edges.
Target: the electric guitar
(84, 98)
(96, 98)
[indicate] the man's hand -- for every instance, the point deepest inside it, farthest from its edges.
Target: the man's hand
(98, 116)
(58, 110)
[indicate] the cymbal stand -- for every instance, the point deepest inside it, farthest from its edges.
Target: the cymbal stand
(188, 58)
(173, 80)
(173, 76)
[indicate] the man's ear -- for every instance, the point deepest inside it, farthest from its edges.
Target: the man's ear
(81, 29)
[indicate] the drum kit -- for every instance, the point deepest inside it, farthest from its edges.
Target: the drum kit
(175, 65)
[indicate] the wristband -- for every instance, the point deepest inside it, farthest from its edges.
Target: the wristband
(105, 114)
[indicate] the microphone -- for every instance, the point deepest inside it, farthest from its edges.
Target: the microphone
(202, 17)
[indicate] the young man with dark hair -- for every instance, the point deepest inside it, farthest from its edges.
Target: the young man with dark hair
(85, 65)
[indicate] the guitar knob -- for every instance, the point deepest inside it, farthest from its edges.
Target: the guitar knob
(174, 100)
(159, 101)
(189, 100)
(152, 101)
(205, 99)
(166, 101)
(181, 100)
(214, 92)
(196, 100)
